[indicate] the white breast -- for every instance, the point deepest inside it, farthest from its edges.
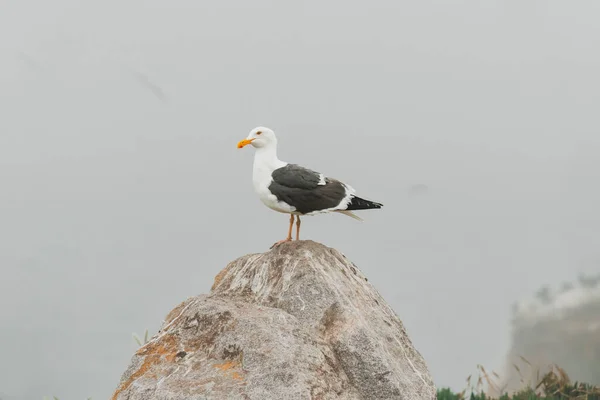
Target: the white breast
(261, 178)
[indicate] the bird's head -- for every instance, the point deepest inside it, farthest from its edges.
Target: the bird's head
(259, 137)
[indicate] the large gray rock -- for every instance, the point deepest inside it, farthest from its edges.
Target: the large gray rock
(297, 322)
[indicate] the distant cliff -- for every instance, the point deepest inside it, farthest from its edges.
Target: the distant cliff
(559, 327)
(298, 322)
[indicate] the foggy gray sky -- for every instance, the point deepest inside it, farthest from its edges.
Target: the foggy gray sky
(108, 215)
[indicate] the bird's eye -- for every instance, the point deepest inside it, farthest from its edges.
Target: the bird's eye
(259, 132)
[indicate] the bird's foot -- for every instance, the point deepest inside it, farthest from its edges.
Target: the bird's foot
(289, 239)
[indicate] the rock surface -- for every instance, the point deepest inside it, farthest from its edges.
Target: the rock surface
(297, 322)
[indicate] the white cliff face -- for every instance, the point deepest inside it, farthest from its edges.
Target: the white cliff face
(557, 305)
(560, 327)
(297, 322)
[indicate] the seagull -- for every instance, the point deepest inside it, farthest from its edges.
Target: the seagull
(295, 190)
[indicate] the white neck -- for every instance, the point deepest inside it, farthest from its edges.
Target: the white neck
(266, 158)
(265, 162)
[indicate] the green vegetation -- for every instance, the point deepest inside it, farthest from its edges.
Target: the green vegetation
(554, 385)
(139, 341)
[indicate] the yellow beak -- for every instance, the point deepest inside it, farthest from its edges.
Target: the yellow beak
(244, 143)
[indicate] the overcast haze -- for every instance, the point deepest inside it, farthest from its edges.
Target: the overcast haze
(118, 202)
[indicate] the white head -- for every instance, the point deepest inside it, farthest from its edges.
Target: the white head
(259, 137)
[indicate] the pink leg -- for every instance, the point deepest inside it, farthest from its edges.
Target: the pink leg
(298, 227)
(289, 236)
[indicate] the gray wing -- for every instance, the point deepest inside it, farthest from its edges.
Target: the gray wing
(303, 189)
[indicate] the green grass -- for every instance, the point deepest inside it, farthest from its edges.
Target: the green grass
(139, 341)
(554, 385)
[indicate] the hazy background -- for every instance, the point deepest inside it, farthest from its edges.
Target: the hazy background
(116, 203)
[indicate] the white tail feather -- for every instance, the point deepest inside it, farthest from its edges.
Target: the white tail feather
(350, 214)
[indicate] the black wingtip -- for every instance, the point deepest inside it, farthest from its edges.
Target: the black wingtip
(361, 204)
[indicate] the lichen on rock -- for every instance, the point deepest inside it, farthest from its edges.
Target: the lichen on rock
(297, 322)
